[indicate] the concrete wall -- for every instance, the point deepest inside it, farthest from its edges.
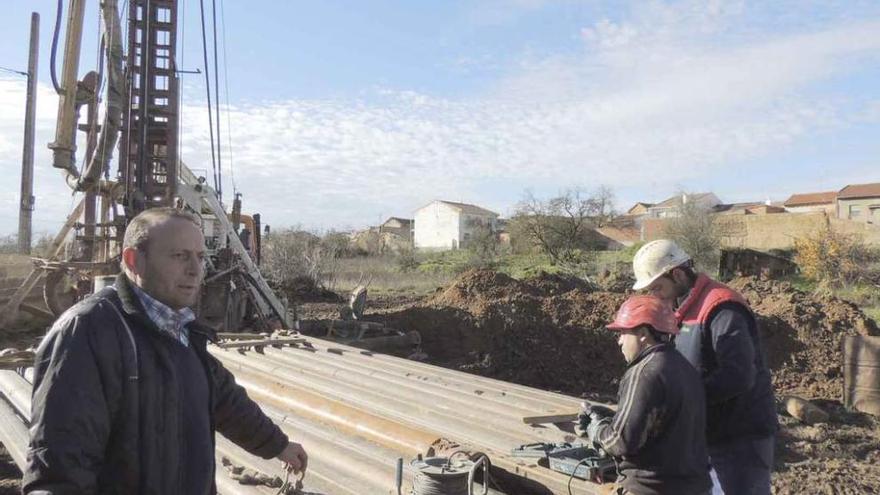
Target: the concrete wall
(437, 227)
(867, 213)
(764, 232)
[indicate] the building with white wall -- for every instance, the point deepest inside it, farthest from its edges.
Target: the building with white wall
(442, 225)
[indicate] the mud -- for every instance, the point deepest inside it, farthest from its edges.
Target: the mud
(801, 334)
(547, 332)
(841, 456)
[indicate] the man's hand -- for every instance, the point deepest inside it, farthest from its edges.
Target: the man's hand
(593, 430)
(598, 412)
(294, 457)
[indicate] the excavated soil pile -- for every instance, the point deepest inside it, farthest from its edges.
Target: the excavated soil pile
(841, 456)
(801, 334)
(545, 332)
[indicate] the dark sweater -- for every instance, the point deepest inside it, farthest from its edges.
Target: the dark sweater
(196, 447)
(658, 431)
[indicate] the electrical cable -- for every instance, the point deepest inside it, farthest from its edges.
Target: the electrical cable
(228, 112)
(208, 92)
(13, 71)
(52, 73)
(217, 103)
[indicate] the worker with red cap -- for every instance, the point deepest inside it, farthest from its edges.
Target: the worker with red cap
(658, 431)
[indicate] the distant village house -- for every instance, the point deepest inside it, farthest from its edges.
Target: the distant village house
(812, 202)
(860, 203)
(401, 227)
(442, 225)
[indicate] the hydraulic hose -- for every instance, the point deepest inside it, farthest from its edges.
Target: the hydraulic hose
(55, 33)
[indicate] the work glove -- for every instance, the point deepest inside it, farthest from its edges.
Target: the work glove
(583, 422)
(593, 431)
(598, 412)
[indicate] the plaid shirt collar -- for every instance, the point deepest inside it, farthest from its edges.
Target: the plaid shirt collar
(171, 322)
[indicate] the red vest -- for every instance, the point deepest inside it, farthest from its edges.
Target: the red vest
(705, 296)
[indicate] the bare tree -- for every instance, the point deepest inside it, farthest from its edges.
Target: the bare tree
(295, 259)
(562, 224)
(695, 231)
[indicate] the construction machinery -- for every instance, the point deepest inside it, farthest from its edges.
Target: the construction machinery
(358, 412)
(141, 119)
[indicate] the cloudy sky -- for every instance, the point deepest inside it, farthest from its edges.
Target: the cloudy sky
(345, 112)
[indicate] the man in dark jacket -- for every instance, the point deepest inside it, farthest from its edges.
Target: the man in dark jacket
(658, 431)
(719, 337)
(126, 398)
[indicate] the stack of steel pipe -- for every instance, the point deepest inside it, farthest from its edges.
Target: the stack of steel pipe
(357, 412)
(387, 407)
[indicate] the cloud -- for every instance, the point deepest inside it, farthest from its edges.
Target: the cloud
(663, 95)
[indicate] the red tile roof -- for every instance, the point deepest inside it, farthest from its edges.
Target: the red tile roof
(807, 199)
(860, 191)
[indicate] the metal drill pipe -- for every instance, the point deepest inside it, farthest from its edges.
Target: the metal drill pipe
(466, 408)
(526, 469)
(13, 433)
(17, 391)
(327, 452)
(400, 409)
(303, 402)
(472, 397)
(414, 368)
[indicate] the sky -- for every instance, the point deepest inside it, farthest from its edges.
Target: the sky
(338, 114)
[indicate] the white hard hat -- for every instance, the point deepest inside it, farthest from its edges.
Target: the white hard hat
(654, 259)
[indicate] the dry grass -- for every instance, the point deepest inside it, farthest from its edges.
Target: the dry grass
(385, 276)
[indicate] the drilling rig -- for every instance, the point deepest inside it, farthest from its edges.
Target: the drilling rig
(141, 121)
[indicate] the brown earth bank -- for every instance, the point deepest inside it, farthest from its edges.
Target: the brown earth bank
(547, 332)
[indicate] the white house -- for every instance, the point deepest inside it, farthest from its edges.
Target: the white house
(443, 225)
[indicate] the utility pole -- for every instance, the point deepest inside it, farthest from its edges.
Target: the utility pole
(27, 161)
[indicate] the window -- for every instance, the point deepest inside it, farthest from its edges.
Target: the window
(855, 211)
(163, 37)
(163, 15)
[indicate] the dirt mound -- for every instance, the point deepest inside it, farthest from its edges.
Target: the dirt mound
(304, 289)
(801, 334)
(553, 284)
(838, 457)
(546, 332)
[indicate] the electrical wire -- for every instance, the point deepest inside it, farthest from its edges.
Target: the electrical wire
(13, 71)
(52, 53)
(217, 101)
(228, 112)
(208, 92)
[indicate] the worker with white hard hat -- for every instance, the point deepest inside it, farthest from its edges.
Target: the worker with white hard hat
(719, 337)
